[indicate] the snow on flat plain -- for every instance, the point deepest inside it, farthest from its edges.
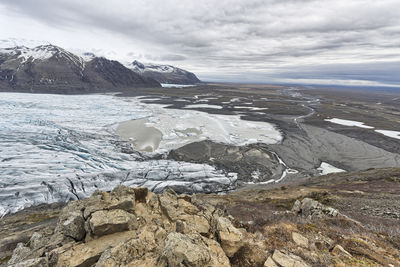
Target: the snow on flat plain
(250, 108)
(393, 134)
(203, 105)
(349, 123)
(389, 133)
(170, 85)
(326, 168)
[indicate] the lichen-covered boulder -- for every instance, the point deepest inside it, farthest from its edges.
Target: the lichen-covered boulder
(230, 237)
(107, 222)
(312, 208)
(74, 226)
(37, 262)
(287, 259)
(185, 250)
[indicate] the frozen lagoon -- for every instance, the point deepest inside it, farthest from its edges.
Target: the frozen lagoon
(59, 147)
(179, 127)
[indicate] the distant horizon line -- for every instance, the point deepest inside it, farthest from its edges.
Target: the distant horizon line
(377, 86)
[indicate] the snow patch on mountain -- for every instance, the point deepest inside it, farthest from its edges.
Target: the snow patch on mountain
(26, 53)
(143, 67)
(164, 74)
(43, 52)
(87, 56)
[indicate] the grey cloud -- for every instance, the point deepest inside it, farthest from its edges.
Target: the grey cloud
(240, 37)
(173, 57)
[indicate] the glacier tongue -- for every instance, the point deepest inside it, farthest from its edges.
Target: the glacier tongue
(156, 175)
(61, 147)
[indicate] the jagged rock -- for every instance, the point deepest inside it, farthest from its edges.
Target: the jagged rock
(74, 226)
(286, 259)
(121, 197)
(181, 227)
(86, 254)
(56, 240)
(208, 211)
(338, 250)
(187, 207)
(230, 237)
(169, 204)
(23, 253)
(183, 213)
(181, 250)
(270, 263)
(20, 253)
(192, 250)
(300, 240)
(194, 223)
(182, 230)
(135, 227)
(36, 241)
(312, 208)
(106, 260)
(218, 256)
(123, 203)
(139, 251)
(297, 206)
(38, 262)
(107, 222)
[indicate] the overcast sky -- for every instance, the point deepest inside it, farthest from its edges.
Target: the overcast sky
(324, 41)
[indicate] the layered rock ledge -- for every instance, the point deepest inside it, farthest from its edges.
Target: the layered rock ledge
(136, 227)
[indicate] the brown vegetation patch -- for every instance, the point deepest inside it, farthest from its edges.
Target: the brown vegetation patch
(376, 186)
(323, 197)
(250, 211)
(5, 260)
(281, 203)
(279, 236)
(249, 256)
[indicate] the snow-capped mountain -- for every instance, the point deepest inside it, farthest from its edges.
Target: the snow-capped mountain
(141, 67)
(40, 53)
(88, 56)
(49, 68)
(164, 73)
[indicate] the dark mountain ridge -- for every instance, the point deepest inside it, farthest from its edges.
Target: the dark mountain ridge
(51, 69)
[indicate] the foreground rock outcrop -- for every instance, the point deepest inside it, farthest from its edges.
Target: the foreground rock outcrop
(136, 227)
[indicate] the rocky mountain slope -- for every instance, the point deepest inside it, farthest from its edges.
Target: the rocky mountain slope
(51, 69)
(309, 224)
(164, 73)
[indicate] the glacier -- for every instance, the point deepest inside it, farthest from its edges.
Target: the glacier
(56, 148)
